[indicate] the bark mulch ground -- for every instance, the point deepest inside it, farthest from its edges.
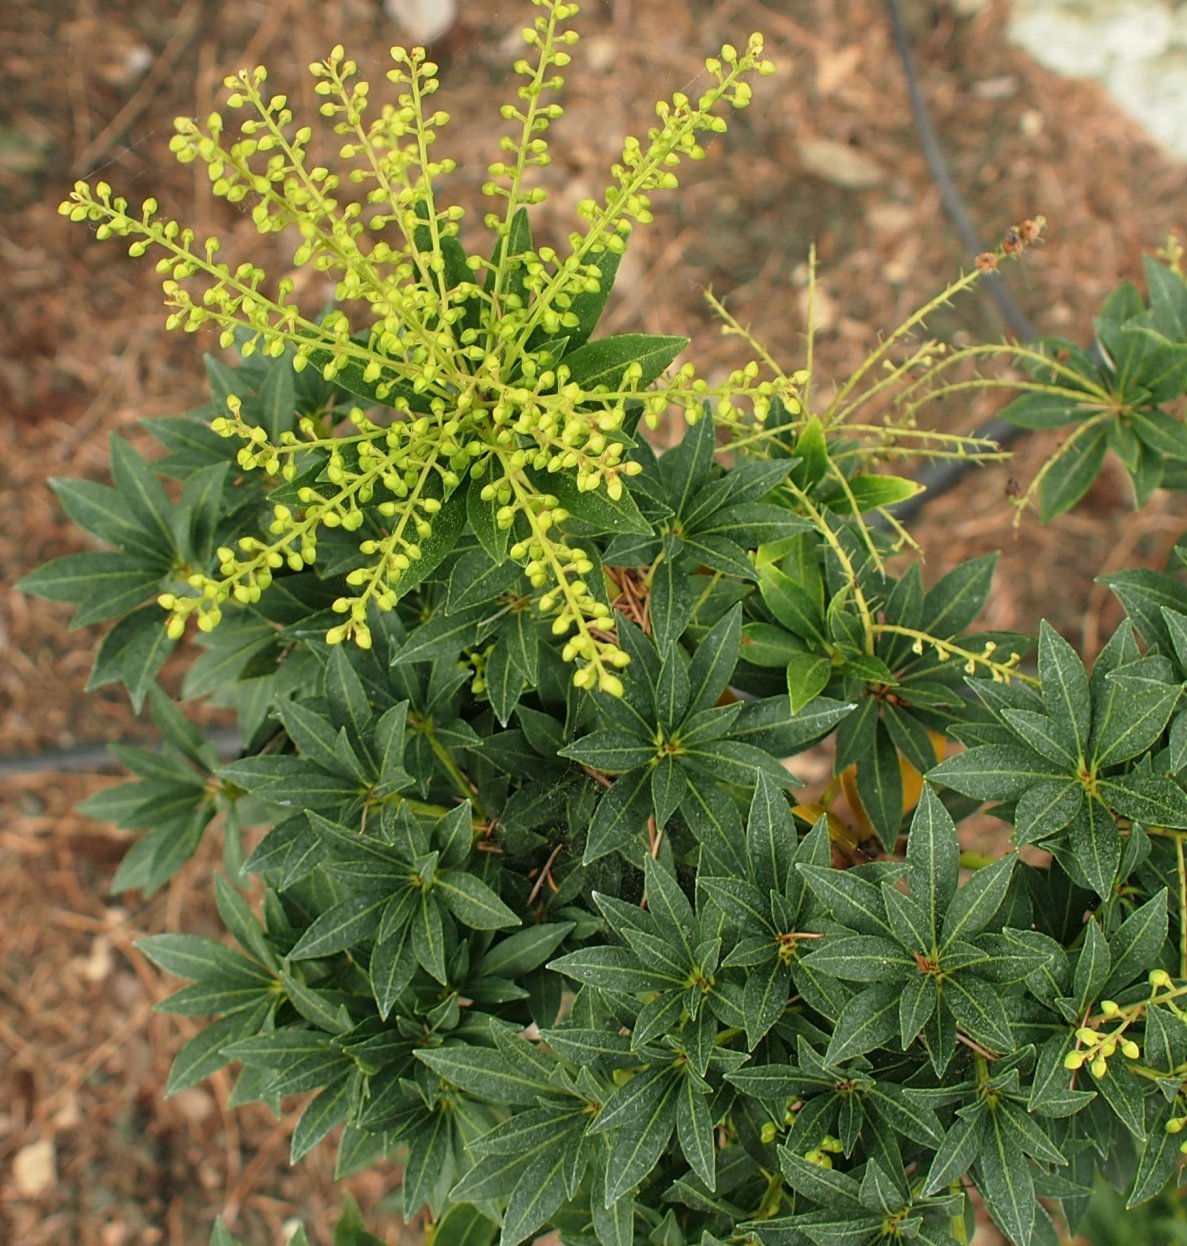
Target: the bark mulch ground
(90, 1155)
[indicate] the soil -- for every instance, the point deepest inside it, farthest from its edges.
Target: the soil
(89, 1152)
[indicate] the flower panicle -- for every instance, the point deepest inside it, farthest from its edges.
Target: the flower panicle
(451, 345)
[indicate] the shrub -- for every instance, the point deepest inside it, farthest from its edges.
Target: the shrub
(516, 693)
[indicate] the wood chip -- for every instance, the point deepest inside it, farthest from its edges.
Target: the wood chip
(839, 163)
(35, 1169)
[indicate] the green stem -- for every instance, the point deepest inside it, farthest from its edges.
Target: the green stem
(1182, 869)
(467, 789)
(837, 410)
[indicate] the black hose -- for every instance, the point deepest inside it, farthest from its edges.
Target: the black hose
(939, 478)
(991, 283)
(87, 758)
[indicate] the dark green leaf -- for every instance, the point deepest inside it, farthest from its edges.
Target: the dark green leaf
(957, 1153)
(1048, 736)
(1092, 967)
(429, 1160)
(994, 771)
(1094, 844)
(916, 1005)
(641, 1138)
(593, 506)
(978, 900)
(880, 786)
(472, 902)
(694, 1130)
(933, 858)
(621, 816)
(540, 1190)
(392, 967)
(143, 493)
(853, 901)
(327, 1109)
(1146, 797)
(1145, 594)
(1006, 1183)
(103, 513)
(341, 926)
(428, 937)
(611, 751)
(671, 601)
(201, 959)
(713, 663)
(203, 1054)
(603, 361)
(1125, 1094)
(669, 785)
(524, 950)
(104, 585)
(588, 305)
(1064, 684)
(1137, 944)
(868, 1020)
(978, 1011)
(1136, 714)
(133, 652)
(956, 599)
(1039, 409)
(1069, 477)
(860, 958)
(613, 969)
(1157, 1162)
(483, 1072)
(765, 998)
(686, 468)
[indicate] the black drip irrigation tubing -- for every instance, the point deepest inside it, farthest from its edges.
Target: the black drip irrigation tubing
(96, 759)
(937, 479)
(942, 477)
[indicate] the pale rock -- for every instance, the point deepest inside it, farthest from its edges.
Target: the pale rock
(35, 1169)
(98, 965)
(422, 20)
(839, 163)
(894, 218)
(1158, 101)
(1136, 31)
(68, 1115)
(194, 1104)
(1067, 42)
(1134, 48)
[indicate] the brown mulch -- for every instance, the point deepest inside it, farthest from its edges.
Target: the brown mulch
(89, 1152)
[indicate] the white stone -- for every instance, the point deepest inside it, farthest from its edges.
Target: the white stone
(1136, 31)
(422, 20)
(1155, 94)
(1137, 49)
(34, 1169)
(1066, 42)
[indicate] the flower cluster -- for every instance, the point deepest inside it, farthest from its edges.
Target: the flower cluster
(1098, 1047)
(484, 365)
